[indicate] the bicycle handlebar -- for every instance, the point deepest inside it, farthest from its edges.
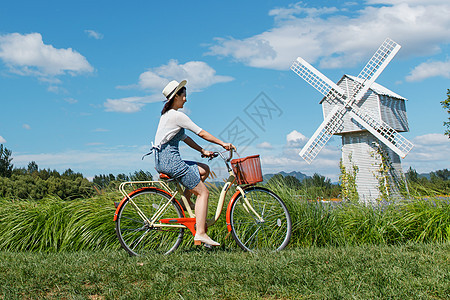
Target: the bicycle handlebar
(215, 154)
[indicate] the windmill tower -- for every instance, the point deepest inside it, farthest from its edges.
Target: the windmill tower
(367, 116)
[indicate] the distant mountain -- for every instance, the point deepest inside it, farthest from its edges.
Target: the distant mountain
(299, 175)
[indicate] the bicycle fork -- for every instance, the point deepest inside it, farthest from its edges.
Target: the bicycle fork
(248, 207)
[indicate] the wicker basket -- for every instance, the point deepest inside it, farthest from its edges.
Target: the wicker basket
(247, 169)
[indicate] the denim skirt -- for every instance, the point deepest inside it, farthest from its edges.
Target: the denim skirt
(168, 161)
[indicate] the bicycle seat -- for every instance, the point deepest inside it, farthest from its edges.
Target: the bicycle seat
(164, 176)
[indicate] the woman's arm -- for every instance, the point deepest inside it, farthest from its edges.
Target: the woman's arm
(210, 138)
(191, 143)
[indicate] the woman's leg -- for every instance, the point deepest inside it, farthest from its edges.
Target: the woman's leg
(201, 207)
(204, 173)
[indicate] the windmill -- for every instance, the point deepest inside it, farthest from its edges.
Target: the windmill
(363, 126)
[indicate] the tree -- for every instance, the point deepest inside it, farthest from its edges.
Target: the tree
(70, 174)
(122, 177)
(141, 176)
(32, 167)
(442, 174)
(412, 175)
(292, 182)
(103, 180)
(6, 167)
(446, 105)
(317, 180)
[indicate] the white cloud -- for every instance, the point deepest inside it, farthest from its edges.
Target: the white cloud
(129, 104)
(94, 34)
(2, 140)
(71, 100)
(299, 8)
(198, 74)
(28, 55)
(26, 126)
(430, 69)
(409, 1)
(94, 144)
(335, 37)
(296, 139)
(264, 145)
(432, 139)
(430, 153)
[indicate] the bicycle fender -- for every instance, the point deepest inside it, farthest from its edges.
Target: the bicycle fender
(232, 199)
(138, 191)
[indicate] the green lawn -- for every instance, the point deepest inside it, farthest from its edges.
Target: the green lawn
(412, 271)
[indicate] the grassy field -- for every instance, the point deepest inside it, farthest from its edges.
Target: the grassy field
(59, 249)
(414, 271)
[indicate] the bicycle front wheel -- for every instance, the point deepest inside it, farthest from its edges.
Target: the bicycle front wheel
(134, 221)
(262, 222)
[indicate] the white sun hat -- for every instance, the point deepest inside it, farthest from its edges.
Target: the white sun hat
(172, 88)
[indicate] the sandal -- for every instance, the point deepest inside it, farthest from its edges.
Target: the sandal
(198, 240)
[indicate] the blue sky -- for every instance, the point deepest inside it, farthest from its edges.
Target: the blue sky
(81, 81)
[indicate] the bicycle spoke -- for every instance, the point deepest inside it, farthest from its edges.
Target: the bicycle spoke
(253, 235)
(134, 229)
(271, 230)
(140, 240)
(132, 219)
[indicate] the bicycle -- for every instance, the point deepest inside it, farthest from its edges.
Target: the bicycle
(151, 218)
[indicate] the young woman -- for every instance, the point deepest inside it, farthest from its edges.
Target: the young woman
(171, 130)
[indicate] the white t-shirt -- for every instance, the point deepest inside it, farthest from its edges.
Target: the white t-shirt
(170, 123)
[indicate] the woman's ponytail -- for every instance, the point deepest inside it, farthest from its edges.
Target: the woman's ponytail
(167, 106)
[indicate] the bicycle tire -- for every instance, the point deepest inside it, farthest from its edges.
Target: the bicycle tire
(251, 234)
(136, 236)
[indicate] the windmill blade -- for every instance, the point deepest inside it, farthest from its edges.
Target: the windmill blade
(331, 125)
(385, 133)
(319, 81)
(373, 68)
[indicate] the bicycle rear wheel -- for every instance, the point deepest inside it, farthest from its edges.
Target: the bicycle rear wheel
(272, 231)
(133, 230)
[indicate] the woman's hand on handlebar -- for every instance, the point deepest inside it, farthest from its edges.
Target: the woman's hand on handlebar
(210, 154)
(229, 146)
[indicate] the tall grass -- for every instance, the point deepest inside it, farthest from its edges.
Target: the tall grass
(54, 225)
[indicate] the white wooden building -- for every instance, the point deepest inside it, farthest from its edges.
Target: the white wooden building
(359, 147)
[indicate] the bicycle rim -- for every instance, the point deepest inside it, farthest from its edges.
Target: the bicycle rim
(271, 232)
(135, 234)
